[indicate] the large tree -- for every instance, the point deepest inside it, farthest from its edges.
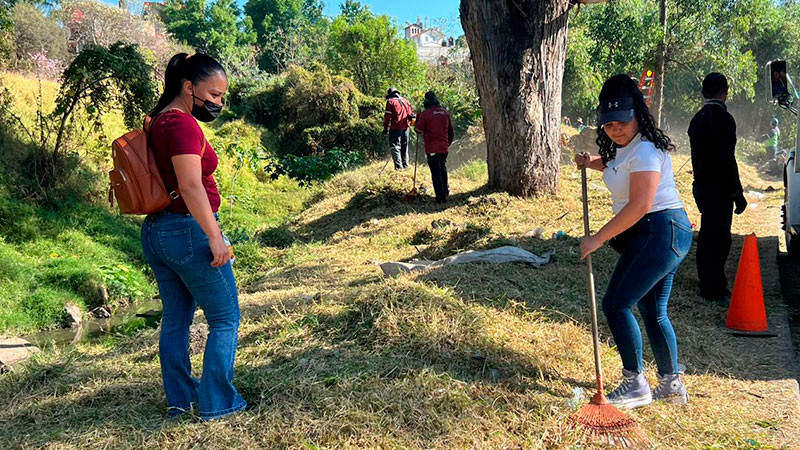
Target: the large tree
(216, 28)
(300, 21)
(518, 49)
(369, 50)
(6, 27)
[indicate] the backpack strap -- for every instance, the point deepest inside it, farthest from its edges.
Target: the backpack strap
(148, 122)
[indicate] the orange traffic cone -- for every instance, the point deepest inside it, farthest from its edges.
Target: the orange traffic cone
(746, 314)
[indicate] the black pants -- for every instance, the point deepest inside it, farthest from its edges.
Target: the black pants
(436, 161)
(714, 240)
(398, 141)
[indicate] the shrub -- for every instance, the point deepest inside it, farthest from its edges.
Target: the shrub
(319, 123)
(454, 85)
(259, 100)
(310, 168)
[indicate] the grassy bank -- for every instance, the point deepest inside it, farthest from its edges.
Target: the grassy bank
(332, 355)
(73, 248)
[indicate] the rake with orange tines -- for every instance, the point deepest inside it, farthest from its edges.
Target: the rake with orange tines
(600, 421)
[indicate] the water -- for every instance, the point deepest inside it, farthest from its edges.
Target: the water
(123, 320)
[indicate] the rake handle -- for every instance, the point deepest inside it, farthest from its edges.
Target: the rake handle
(416, 157)
(598, 369)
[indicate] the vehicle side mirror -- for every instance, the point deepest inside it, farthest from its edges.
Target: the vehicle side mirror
(779, 83)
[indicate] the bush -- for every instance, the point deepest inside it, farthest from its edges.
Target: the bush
(454, 86)
(310, 168)
(259, 100)
(319, 123)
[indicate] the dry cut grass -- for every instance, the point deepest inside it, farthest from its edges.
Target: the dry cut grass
(332, 355)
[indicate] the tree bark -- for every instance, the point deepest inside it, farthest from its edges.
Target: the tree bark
(661, 58)
(518, 49)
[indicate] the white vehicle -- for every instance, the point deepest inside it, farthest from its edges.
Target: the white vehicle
(781, 91)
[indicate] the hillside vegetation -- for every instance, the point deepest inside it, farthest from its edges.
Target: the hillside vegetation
(333, 355)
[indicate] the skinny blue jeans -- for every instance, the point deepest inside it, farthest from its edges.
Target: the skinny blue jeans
(651, 251)
(177, 249)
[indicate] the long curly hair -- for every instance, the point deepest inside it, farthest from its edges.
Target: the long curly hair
(620, 86)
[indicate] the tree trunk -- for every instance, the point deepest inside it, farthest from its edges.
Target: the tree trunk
(661, 57)
(518, 49)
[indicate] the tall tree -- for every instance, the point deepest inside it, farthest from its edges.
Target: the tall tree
(6, 27)
(217, 29)
(518, 50)
(352, 10)
(283, 17)
(371, 52)
(661, 62)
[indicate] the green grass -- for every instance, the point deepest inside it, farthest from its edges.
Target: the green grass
(333, 355)
(63, 253)
(70, 247)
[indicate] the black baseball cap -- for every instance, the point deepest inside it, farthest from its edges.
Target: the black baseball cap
(619, 109)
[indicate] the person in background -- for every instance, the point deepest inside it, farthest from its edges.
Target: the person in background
(717, 189)
(436, 127)
(189, 255)
(772, 137)
(580, 126)
(780, 89)
(651, 231)
(396, 122)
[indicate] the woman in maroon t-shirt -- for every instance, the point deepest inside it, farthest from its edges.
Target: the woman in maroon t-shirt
(184, 245)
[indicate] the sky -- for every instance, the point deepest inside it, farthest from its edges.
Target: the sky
(408, 11)
(441, 13)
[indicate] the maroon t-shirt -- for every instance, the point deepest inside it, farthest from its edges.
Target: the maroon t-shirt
(436, 128)
(177, 133)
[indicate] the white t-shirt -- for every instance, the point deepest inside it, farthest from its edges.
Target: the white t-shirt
(641, 155)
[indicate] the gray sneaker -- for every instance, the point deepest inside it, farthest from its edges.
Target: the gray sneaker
(671, 390)
(633, 392)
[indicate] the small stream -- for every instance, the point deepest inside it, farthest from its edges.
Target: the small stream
(123, 320)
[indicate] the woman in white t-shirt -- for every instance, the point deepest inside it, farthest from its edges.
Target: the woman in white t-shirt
(651, 231)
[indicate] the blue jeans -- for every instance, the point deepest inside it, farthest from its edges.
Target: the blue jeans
(177, 249)
(398, 141)
(653, 249)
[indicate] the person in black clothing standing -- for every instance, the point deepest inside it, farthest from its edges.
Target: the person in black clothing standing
(716, 188)
(436, 128)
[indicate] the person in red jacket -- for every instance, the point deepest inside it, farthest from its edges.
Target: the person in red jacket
(396, 122)
(437, 129)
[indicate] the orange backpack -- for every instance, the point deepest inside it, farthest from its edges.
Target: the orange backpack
(135, 180)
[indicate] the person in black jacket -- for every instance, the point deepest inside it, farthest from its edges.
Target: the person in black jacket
(716, 187)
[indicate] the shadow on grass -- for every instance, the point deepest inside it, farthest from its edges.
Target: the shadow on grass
(348, 366)
(367, 204)
(559, 289)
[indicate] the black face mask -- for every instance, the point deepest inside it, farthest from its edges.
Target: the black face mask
(207, 112)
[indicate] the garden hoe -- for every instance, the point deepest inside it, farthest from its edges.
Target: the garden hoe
(600, 421)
